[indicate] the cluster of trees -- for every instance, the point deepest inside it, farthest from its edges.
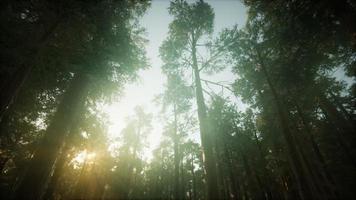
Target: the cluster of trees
(294, 139)
(58, 59)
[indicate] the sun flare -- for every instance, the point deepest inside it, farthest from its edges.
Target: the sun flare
(119, 112)
(83, 157)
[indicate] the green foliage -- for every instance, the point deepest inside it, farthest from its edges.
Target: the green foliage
(62, 61)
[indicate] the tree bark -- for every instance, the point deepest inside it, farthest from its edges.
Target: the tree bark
(207, 142)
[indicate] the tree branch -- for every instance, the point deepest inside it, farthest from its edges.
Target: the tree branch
(218, 84)
(212, 58)
(204, 90)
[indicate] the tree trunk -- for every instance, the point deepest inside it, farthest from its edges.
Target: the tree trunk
(265, 171)
(41, 166)
(304, 184)
(81, 186)
(220, 176)
(58, 171)
(206, 140)
(194, 188)
(182, 181)
(341, 126)
(320, 158)
(176, 157)
(254, 186)
(235, 186)
(5, 142)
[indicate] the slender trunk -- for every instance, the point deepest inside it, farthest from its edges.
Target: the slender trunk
(56, 175)
(5, 142)
(339, 124)
(252, 181)
(219, 165)
(58, 171)
(312, 170)
(305, 186)
(265, 171)
(79, 192)
(320, 158)
(244, 189)
(176, 156)
(235, 188)
(282, 188)
(125, 192)
(156, 188)
(44, 159)
(260, 185)
(163, 177)
(182, 181)
(220, 176)
(126, 186)
(206, 140)
(96, 182)
(306, 156)
(194, 188)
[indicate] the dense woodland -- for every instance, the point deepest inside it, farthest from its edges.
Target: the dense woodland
(294, 139)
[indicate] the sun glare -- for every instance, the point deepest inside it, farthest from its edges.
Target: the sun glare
(119, 111)
(82, 157)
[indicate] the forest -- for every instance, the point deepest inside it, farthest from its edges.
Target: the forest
(282, 128)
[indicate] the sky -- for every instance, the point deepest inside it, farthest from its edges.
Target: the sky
(151, 82)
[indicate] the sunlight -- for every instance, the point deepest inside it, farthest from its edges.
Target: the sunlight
(83, 157)
(177, 99)
(119, 111)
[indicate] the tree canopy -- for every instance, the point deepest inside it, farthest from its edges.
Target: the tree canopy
(282, 128)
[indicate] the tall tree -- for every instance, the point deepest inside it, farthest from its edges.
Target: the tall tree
(176, 99)
(130, 153)
(191, 24)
